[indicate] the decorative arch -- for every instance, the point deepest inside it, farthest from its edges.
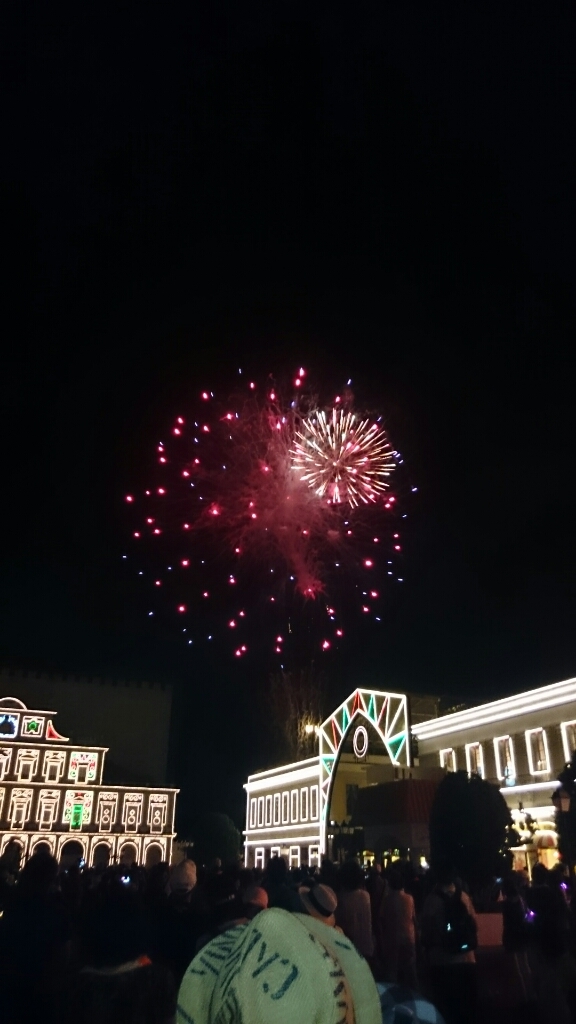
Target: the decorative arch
(44, 840)
(387, 714)
(126, 851)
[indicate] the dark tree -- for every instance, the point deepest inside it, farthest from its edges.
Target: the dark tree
(216, 836)
(468, 828)
(295, 701)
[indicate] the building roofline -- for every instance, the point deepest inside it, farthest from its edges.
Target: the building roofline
(538, 699)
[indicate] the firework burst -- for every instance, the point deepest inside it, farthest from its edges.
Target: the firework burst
(270, 511)
(342, 458)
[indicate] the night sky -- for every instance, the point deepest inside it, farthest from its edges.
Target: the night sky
(384, 192)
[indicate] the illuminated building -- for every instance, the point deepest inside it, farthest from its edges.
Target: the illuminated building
(52, 797)
(519, 743)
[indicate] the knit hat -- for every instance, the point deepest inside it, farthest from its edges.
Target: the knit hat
(320, 901)
(281, 968)
(183, 876)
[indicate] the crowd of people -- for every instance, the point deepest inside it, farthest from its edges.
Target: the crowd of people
(213, 945)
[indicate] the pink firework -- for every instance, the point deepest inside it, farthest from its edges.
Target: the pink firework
(264, 499)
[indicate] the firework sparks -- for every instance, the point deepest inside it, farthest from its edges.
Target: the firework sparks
(342, 458)
(269, 503)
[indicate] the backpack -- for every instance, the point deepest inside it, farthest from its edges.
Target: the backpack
(459, 931)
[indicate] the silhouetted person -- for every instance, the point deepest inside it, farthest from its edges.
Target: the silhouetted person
(35, 938)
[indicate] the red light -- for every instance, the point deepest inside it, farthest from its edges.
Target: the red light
(279, 640)
(272, 396)
(232, 624)
(391, 499)
(368, 563)
(157, 530)
(254, 516)
(185, 563)
(237, 551)
(185, 472)
(243, 648)
(214, 510)
(241, 614)
(161, 490)
(337, 399)
(205, 396)
(376, 539)
(231, 580)
(158, 583)
(301, 372)
(278, 650)
(396, 535)
(148, 493)
(162, 459)
(176, 431)
(196, 462)
(365, 608)
(206, 428)
(339, 632)
(149, 520)
(373, 593)
(238, 653)
(252, 386)
(297, 382)
(181, 607)
(325, 645)
(186, 526)
(136, 534)
(180, 420)
(397, 547)
(205, 594)
(129, 497)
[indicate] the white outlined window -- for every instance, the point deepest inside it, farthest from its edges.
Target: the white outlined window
(268, 810)
(274, 851)
(314, 855)
(48, 808)
(294, 857)
(260, 812)
(448, 759)
(253, 812)
(157, 811)
(568, 739)
(26, 764)
(5, 758)
(53, 767)
(504, 758)
(276, 808)
(285, 808)
(294, 805)
(132, 811)
(259, 856)
(537, 748)
(314, 803)
(20, 804)
(304, 804)
(107, 810)
(474, 759)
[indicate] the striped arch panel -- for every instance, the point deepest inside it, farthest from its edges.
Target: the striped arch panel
(388, 715)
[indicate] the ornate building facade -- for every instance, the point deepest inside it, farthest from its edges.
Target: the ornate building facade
(52, 797)
(519, 743)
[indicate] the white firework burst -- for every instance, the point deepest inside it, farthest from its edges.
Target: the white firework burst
(343, 458)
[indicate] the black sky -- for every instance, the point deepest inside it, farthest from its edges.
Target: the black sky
(383, 191)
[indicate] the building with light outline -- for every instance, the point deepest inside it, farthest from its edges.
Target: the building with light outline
(519, 743)
(52, 797)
